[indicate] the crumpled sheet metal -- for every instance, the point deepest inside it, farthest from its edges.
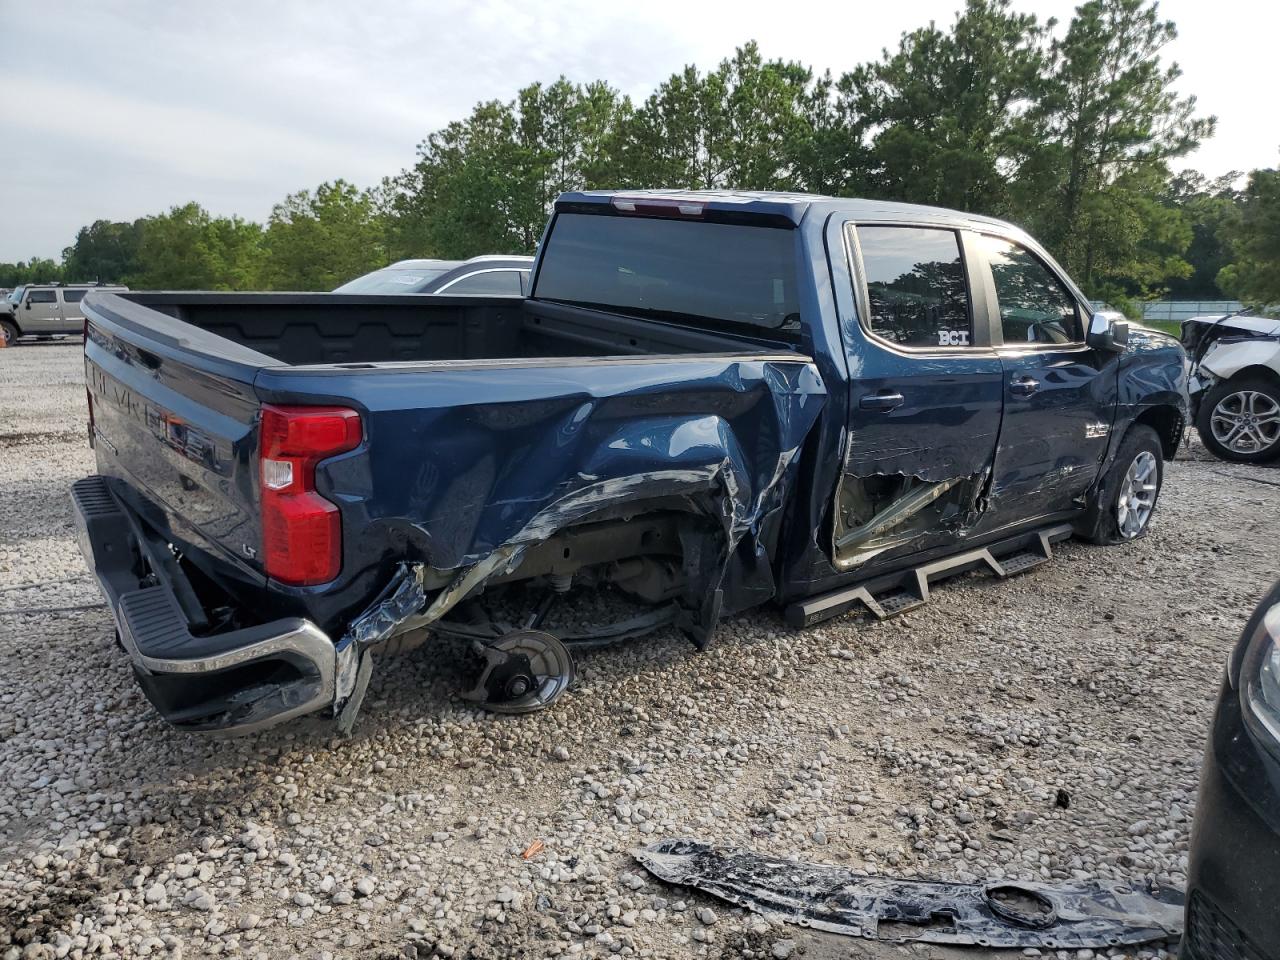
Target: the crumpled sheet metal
(899, 523)
(403, 604)
(489, 496)
(942, 455)
(496, 455)
(838, 900)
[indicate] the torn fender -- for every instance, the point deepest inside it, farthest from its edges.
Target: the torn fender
(839, 900)
(721, 434)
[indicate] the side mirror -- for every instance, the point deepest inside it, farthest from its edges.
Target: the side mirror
(1108, 331)
(28, 304)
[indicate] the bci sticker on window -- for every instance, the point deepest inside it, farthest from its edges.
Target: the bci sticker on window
(953, 338)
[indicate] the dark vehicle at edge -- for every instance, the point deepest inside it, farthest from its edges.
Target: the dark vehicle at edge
(1233, 883)
(708, 402)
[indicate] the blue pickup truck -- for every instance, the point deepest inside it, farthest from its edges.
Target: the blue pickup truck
(708, 402)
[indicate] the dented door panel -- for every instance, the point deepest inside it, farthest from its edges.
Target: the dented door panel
(915, 477)
(1054, 437)
(923, 426)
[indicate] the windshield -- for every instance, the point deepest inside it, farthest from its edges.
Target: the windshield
(725, 273)
(393, 280)
(15, 296)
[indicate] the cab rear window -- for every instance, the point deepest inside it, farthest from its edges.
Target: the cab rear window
(682, 271)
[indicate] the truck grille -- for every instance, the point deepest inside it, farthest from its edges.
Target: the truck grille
(1211, 935)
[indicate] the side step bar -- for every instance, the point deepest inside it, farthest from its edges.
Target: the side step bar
(894, 593)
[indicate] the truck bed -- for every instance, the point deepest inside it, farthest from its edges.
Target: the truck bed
(306, 329)
(478, 414)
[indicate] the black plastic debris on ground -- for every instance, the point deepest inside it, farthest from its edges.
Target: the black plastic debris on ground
(839, 900)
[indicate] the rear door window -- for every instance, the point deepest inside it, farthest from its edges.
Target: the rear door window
(916, 288)
(72, 296)
(1035, 306)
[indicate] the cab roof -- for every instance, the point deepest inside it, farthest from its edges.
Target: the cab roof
(775, 205)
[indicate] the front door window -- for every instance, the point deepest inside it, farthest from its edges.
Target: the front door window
(1035, 307)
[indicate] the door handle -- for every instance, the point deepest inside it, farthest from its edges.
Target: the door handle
(1024, 386)
(883, 401)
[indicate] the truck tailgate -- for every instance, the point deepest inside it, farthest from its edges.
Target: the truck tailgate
(173, 418)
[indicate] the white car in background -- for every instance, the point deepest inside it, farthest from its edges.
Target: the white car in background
(1235, 385)
(486, 276)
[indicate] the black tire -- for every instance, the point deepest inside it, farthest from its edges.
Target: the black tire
(9, 332)
(1248, 383)
(1102, 523)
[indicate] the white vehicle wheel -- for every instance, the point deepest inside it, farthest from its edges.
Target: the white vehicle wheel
(1240, 420)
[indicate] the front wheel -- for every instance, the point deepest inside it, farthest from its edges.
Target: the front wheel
(8, 333)
(1239, 420)
(1126, 497)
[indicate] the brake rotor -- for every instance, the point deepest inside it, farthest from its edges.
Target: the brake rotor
(525, 670)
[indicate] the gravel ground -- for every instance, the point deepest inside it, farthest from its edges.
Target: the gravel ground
(933, 745)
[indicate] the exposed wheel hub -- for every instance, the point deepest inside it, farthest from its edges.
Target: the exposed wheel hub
(525, 670)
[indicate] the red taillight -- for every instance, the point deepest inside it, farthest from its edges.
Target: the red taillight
(301, 530)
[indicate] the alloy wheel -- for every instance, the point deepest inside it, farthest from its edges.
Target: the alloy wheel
(1137, 495)
(1246, 421)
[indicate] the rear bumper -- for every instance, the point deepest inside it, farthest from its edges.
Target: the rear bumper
(236, 681)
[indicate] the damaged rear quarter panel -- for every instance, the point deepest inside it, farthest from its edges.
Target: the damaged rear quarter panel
(491, 458)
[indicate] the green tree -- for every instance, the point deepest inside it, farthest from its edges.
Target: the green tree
(317, 240)
(1208, 206)
(1254, 236)
(749, 124)
(1072, 137)
(486, 184)
(104, 251)
(564, 133)
(946, 108)
(1104, 126)
(463, 197)
(830, 152)
(35, 270)
(187, 249)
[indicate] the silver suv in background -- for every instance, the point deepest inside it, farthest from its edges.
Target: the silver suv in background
(487, 276)
(46, 309)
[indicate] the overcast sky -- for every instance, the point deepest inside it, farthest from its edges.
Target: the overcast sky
(119, 109)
